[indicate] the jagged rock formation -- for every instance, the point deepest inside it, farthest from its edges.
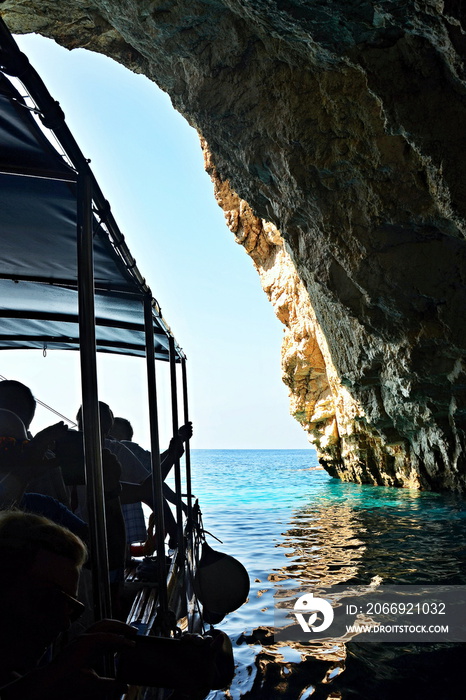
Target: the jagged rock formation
(340, 123)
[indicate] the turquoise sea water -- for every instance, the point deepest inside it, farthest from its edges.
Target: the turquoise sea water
(291, 524)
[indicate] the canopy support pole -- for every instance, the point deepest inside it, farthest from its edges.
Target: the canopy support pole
(174, 400)
(191, 554)
(187, 451)
(157, 482)
(90, 405)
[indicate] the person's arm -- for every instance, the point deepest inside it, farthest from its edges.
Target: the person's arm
(175, 449)
(134, 493)
(34, 455)
(170, 495)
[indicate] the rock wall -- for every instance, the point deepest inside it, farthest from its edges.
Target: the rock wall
(318, 399)
(339, 124)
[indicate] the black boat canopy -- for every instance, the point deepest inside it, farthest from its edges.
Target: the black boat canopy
(38, 227)
(68, 280)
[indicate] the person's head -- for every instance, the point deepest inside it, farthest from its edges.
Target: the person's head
(11, 425)
(13, 437)
(106, 418)
(121, 429)
(40, 562)
(18, 398)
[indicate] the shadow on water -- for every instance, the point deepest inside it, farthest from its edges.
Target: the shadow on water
(339, 534)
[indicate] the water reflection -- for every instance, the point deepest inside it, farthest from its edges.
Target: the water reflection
(356, 535)
(326, 545)
(351, 533)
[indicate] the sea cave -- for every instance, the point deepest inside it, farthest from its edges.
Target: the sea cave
(333, 133)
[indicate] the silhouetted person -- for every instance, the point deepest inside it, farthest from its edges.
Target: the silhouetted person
(23, 461)
(18, 398)
(40, 563)
(116, 531)
(122, 430)
(20, 458)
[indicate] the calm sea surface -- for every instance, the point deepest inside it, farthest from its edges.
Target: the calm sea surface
(291, 524)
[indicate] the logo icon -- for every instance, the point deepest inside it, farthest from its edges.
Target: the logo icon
(308, 605)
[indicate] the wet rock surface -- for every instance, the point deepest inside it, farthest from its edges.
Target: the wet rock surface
(335, 137)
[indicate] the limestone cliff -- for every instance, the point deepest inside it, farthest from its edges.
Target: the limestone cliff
(338, 124)
(319, 401)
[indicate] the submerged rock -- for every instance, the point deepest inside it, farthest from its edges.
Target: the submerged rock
(334, 134)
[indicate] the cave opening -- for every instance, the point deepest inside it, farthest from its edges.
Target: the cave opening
(149, 163)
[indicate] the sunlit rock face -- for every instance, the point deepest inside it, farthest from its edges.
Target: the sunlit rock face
(341, 125)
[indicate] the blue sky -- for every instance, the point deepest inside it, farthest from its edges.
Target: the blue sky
(149, 164)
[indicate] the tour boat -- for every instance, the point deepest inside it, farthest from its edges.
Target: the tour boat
(69, 281)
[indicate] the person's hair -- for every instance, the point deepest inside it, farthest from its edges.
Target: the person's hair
(121, 429)
(105, 415)
(23, 535)
(18, 398)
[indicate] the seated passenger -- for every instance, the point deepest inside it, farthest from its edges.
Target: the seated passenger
(22, 460)
(14, 470)
(18, 398)
(40, 563)
(136, 484)
(132, 471)
(122, 431)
